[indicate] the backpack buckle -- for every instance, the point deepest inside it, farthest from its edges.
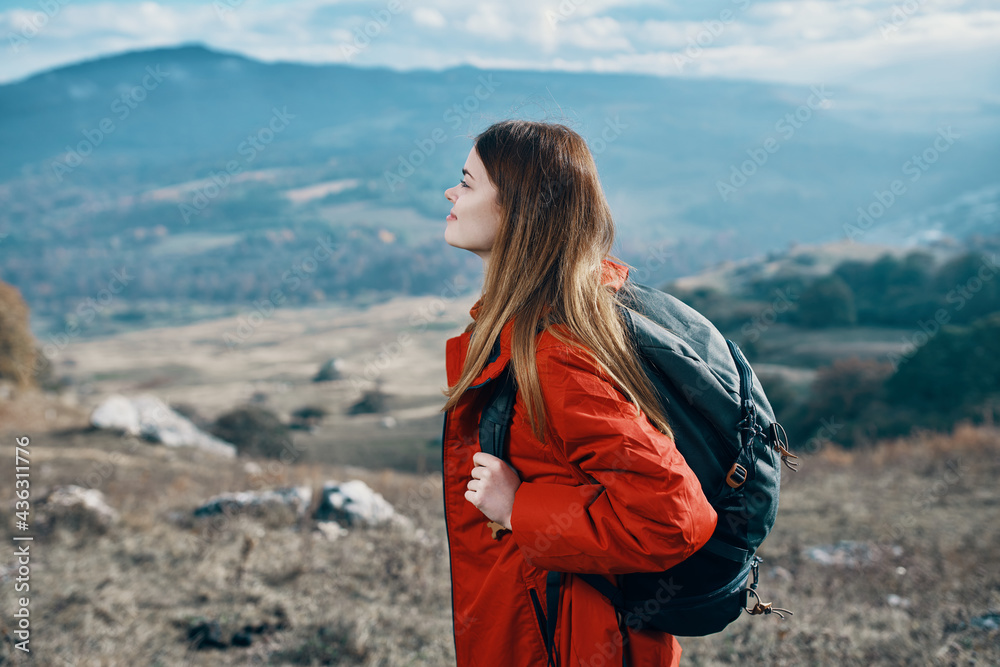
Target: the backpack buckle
(737, 476)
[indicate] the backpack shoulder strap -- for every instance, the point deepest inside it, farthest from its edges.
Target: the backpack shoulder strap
(494, 424)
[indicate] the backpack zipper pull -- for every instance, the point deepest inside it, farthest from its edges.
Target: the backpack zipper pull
(779, 440)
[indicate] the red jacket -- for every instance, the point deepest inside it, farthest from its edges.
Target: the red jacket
(646, 512)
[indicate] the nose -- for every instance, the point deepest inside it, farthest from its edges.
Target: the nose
(448, 194)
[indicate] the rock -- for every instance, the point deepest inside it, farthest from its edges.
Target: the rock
(296, 498)
(206, 634)
(986, 621)
(241, 638)
(847, 553)
(331, 530)
(118, 413)
(354, 503)
(333, 369)
(149, 417)
(76, 508)
(896, 601)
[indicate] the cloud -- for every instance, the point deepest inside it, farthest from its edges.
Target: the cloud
(431, 18)
(794, 41)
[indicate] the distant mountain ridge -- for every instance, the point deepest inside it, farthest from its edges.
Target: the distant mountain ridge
(212, 174)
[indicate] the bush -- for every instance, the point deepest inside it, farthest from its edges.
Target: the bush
(308, 417)
(849, 394)
(255, 431)
(18, 356)
(373, 401)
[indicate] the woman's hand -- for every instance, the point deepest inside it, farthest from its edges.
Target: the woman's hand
(492, 487)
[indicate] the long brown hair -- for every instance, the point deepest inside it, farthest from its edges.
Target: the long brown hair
(545, 266)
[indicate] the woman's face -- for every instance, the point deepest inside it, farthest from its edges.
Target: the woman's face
(475, 214)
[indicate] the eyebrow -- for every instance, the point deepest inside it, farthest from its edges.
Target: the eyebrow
(466, 172)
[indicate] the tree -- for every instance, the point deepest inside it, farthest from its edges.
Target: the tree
(827, 302)
(954, 373)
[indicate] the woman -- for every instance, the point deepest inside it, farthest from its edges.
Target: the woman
(595, 483)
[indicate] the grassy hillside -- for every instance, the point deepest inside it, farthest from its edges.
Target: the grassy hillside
(910, 528)
(922, 517)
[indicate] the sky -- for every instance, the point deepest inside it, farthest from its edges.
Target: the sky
(954, 45)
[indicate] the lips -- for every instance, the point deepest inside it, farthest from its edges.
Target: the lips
(451, 215)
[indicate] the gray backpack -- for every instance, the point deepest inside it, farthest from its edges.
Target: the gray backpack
(724, 426)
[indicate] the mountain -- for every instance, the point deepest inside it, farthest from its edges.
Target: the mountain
(216, 179)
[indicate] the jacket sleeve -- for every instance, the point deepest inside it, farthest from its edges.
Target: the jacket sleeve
(642, 508)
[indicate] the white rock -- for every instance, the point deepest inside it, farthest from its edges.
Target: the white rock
(847, 553)
(151, 418)
(72, 497)
(116, 412)
(354, 503)
(297, 498)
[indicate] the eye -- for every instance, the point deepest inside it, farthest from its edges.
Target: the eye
(463, 183)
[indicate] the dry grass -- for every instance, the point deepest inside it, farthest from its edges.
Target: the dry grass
(128, 597)
(927, 508)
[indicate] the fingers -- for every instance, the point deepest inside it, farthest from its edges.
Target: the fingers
(485, 460)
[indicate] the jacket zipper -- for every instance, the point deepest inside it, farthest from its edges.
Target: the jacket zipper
(447, 533)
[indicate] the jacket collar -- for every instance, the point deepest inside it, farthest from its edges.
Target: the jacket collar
(613, 274)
